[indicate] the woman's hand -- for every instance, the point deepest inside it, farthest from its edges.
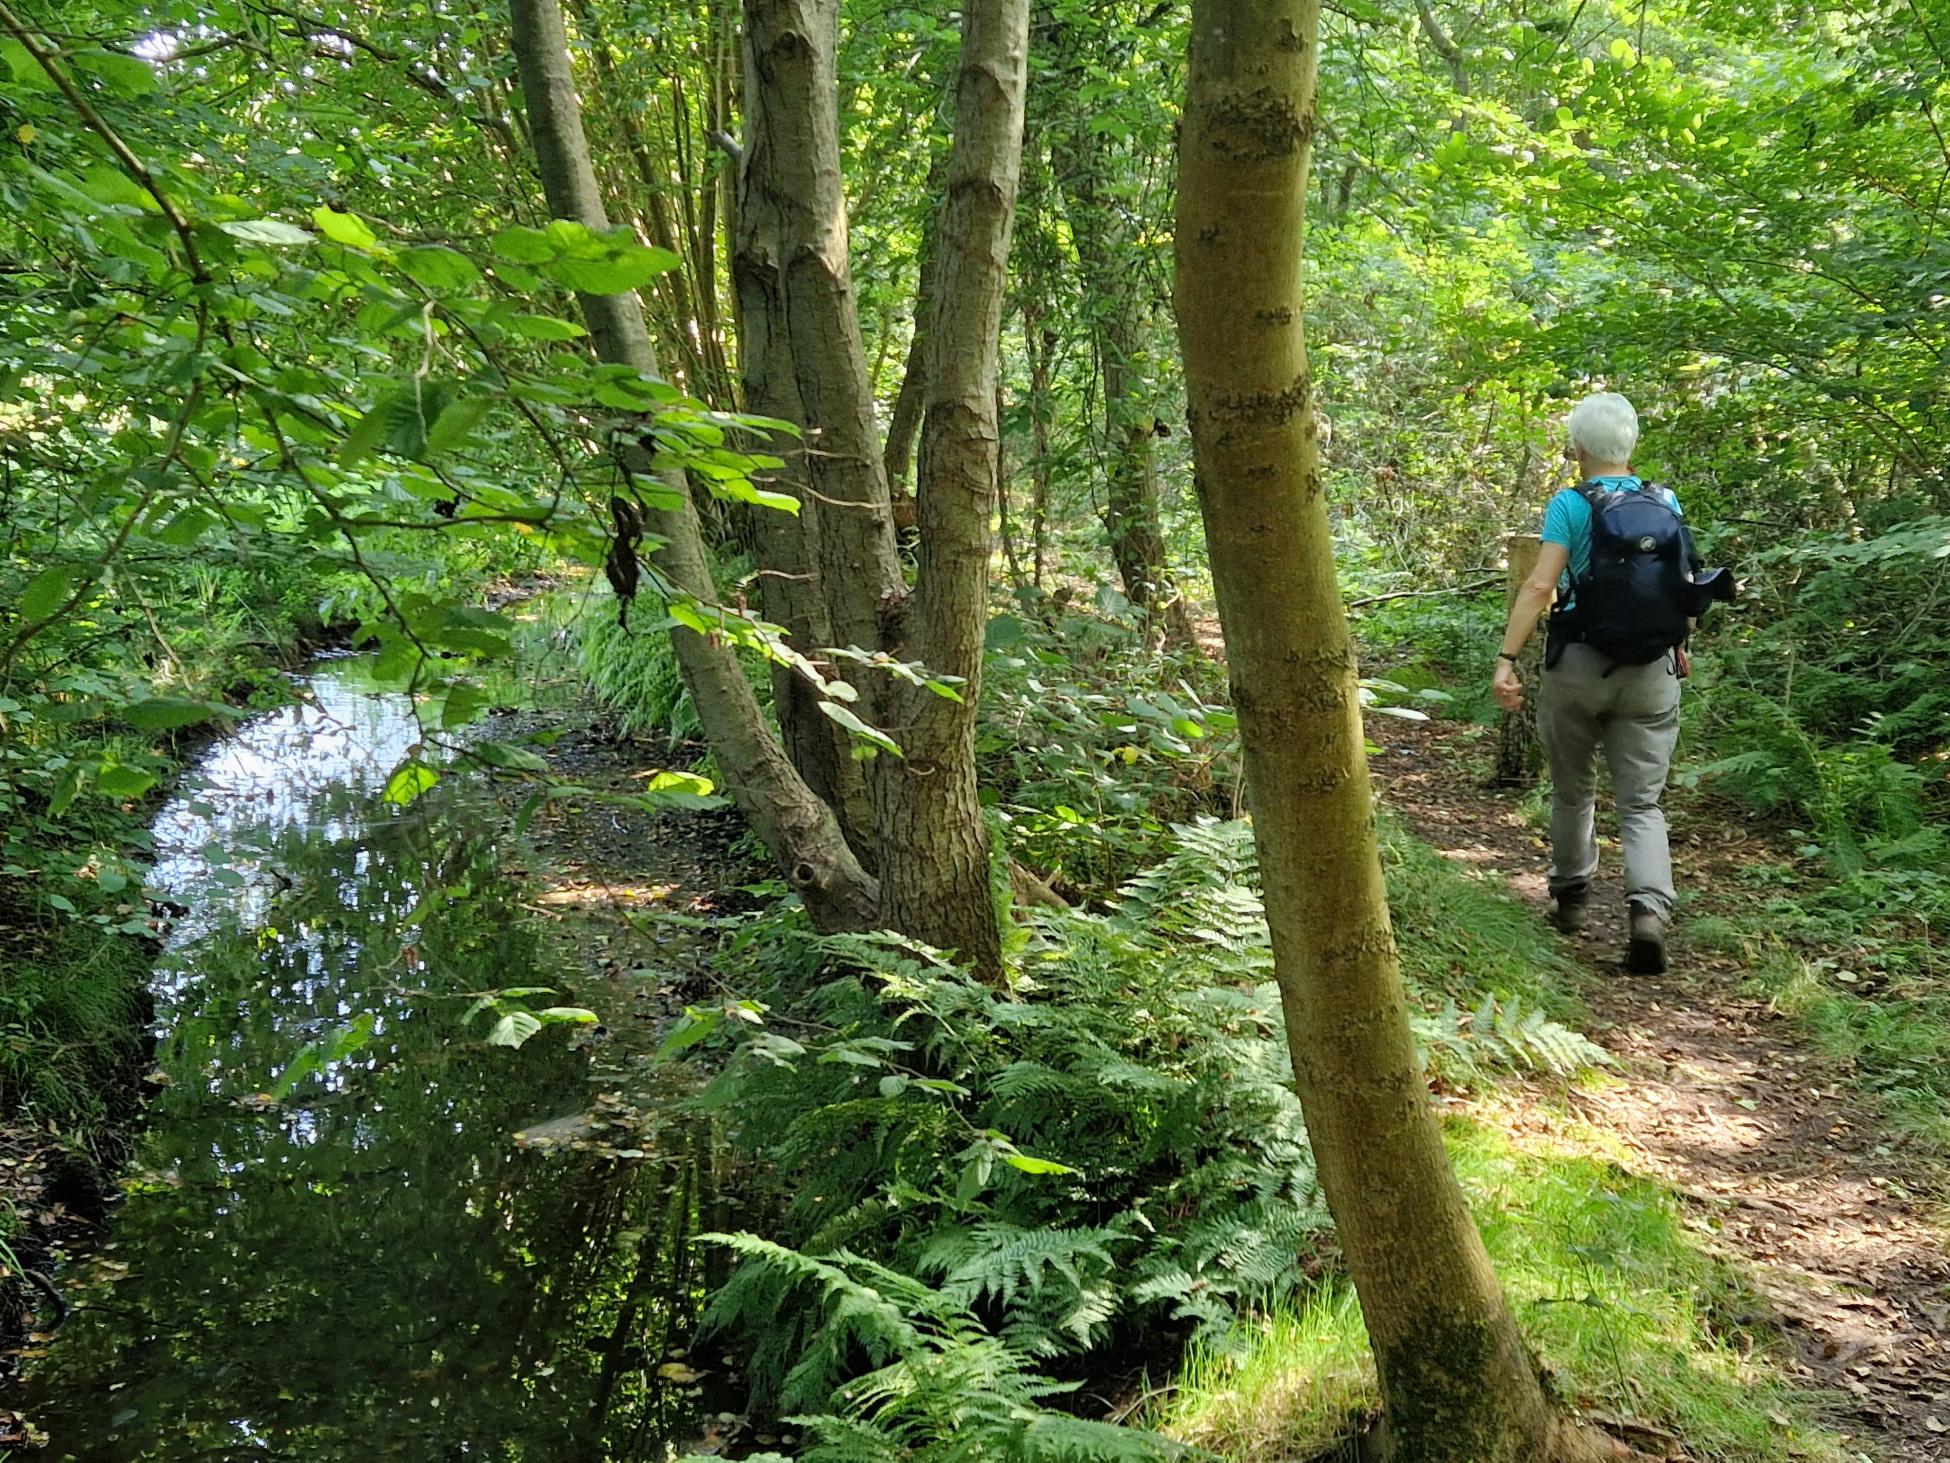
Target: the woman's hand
(1507, 686)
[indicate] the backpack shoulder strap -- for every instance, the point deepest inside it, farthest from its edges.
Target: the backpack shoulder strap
(1597, 498)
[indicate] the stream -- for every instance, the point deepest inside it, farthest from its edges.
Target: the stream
(370, 1264)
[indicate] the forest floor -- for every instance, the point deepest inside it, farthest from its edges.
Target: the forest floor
(1836, 1220)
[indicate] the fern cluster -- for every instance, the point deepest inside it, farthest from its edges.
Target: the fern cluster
(939, 1385)
(1106, 1150)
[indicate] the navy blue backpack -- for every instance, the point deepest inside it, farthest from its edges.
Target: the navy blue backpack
(1636, 601)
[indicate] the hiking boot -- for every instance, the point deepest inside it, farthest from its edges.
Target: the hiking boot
(1645, 954)
(1568, 915)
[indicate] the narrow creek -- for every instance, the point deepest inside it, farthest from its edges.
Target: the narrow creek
(370, 1265)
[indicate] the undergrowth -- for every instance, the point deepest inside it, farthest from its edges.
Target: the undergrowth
(1630, 1314)
(71, 1025)
(1103, 1160)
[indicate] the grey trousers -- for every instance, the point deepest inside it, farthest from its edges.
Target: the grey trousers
(1633, 714)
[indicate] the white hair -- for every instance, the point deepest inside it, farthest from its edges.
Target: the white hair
(1605, 426)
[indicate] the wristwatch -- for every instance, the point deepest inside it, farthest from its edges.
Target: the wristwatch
(1505, 655)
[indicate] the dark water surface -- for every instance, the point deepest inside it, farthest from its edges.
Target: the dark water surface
(371, 1267)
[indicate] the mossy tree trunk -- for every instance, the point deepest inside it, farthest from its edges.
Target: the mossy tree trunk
(795, 823)
(1457, 1382)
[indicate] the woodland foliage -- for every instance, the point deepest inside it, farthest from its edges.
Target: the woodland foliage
(291, 355)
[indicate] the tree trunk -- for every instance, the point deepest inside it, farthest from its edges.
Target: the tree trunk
(935, 881)
(928, 828)
(1117, 291)
(1040, 342)
(1457, 1381)
(904, 426)
(789, 549)
(792, 114)
(1517, 749)
(795, 824)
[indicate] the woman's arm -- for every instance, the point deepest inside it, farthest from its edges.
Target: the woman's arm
(1532, 600)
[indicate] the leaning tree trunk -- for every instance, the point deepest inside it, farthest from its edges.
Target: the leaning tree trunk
(795, 824)
(936, 880)
(1457, 1382)
(793, 151)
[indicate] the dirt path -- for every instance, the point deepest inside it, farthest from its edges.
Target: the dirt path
(1794, 1173)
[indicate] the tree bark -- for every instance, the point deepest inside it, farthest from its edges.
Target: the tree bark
(1457, 1381)
(929, 833)
(1517, 748)
(794, 823)
(789, 549)
(904, 426)
(793, 151)
(935, 881)
(1040, 342)
(1445, 47)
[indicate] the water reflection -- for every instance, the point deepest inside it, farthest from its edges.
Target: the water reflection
(371, 1268)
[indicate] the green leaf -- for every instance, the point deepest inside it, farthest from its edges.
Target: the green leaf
(187, 527)
(544, 327)
(48, 590)
(681, 790)
(368, 434)
(694, 1027)
(846, 717)
(27, 71)
(62, 903)
(111, 185)
(439, 268)
(166, 713)
(1027, 1164)
(268, 231)
(129, 75)
(309, 1060)
(344, 228)
(502, 755)
(625, 270)
(463, 703)
(524, 245)
(513, 1029)
(457, 422)
(122, 781)
(407, 783)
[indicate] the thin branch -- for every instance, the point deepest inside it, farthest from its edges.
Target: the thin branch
(1474, 586)
(86, 111)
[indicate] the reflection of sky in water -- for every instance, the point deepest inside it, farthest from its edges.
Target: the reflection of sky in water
(313, 765)
(362, 1265)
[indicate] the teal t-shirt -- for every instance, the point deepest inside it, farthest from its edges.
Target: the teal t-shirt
(1567, 521)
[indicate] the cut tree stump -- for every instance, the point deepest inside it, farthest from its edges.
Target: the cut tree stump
(1518, 752)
